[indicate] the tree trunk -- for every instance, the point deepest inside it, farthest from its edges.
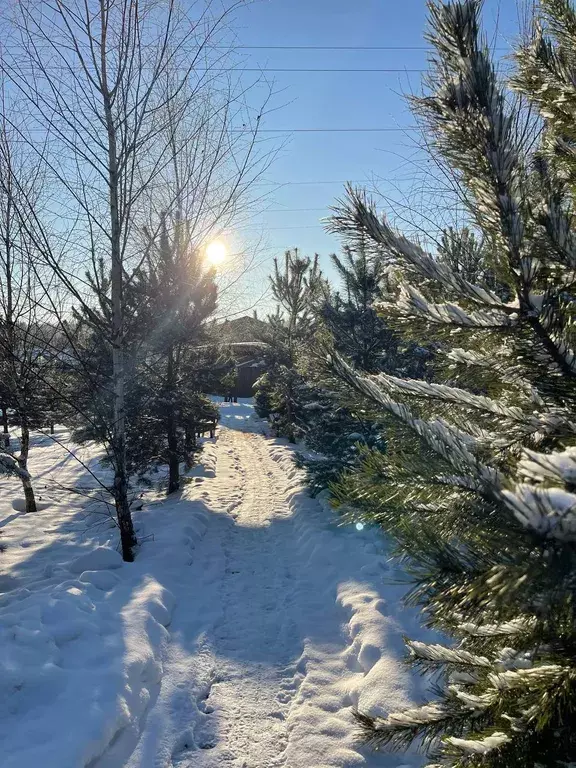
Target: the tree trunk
(51, 427)
(124, 516)
(190, 445)
(23, 464)
(290, 428)
(171, 428)
(173, 458)
(118, 443)
(127, 535)
(5, 430)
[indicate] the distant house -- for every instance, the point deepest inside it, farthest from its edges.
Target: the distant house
(243, 336)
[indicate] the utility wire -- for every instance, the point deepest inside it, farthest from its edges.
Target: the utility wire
(270, 229)
(294, 210)
(325, 130)
(294, 183)
(396, 70)
(325, 47)
(332, 48)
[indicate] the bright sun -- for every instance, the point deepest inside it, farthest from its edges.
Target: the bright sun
(216, 252)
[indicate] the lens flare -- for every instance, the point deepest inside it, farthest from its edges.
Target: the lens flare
(216, 252)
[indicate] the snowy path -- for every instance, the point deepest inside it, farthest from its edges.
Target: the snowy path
(278, 624)
(279, 671)
(255, 637)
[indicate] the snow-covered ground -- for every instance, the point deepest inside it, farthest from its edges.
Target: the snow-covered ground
(244, 635)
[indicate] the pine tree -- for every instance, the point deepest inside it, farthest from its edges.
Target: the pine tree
(180, 295)
(280, 393)
(335, 426)
(478, 483)
(349, 313)
(168, 302)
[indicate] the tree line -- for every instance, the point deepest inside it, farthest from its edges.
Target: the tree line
(438, 389)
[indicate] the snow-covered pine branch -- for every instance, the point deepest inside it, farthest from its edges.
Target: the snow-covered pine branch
(440, 654)
(357, 212)
(550, 512)
(558, 466)
(412, 303)
(479, 746)
(526, 422)
(452, 444)
(510, 375)
(506, 628)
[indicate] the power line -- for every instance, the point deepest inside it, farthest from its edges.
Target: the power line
(271, 229)
(309, 69)
(338, 181)
(325, 47)
(293, 210)
(325, 130)
(308, 226)
(333, 48)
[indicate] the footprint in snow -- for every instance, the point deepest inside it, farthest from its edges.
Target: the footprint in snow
(208, 744)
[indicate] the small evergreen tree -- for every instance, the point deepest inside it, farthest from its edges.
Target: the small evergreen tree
(180, 296)
(339, 427)
(349, 314)
(168, 301)
(477, 485)
(279, 393)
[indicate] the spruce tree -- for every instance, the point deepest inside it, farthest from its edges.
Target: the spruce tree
(478, 483)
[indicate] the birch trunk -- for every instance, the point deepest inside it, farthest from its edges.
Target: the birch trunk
(124, 517)
(5, 428)
(23, 464)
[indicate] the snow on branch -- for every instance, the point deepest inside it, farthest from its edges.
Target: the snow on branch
(548, 674)
(538, 467)
(550, 512)
(419, 388)
(511, 375)
(454, 445)
(10, 466)
(507, 628)
(479, 746)
(476, 704)
(411, 302)
(440, 654)
(356, 212)
(559, 226)
(410, 718)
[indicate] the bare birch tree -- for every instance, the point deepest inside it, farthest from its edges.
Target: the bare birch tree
(104, 82)
(27, 331)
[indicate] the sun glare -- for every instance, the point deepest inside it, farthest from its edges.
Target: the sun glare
(216, 252)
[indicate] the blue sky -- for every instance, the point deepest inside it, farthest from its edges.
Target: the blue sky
(341, 100)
